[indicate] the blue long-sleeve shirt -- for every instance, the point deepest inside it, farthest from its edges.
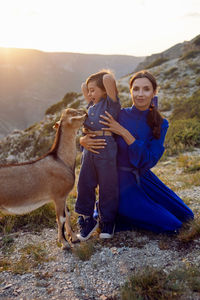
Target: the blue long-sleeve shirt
(145, 151)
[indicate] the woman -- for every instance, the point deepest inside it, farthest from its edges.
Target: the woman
(145, 202)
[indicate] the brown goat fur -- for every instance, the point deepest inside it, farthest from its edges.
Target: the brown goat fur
(27, 186)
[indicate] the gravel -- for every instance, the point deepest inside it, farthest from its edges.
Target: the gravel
(65, 276)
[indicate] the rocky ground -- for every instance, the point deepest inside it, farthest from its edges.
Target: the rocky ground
(64, 275)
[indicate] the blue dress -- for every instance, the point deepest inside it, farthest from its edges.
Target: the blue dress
(145, 201)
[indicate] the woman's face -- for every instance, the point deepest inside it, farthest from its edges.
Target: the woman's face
(142, 92)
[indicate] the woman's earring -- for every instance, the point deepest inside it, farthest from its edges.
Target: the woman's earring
(154, 101)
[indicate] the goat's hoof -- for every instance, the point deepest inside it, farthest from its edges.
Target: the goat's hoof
(66, 247)
(76, 241)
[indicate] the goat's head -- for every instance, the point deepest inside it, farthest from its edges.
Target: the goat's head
(72, 117)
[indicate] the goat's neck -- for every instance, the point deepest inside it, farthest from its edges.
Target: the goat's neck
(67, 147)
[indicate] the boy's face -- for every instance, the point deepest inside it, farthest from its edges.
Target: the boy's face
(94, 92)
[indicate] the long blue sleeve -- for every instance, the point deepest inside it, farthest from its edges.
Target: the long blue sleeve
(145, 154)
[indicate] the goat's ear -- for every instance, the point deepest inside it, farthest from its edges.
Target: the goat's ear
(71, 119)
(56, 125)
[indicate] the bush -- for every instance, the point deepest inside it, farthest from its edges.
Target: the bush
(150, 283)
(189, 164)
(84, 251)
(165, 106)
(75, 104)
(187, 108)
(68, 98)
(123, 89)
(198, 81)
(182, 135)
(190, 54)
(171, 71)
(185, 82)
(157, 62)
(194, 67)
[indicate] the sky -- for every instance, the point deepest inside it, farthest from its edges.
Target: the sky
(127, 27)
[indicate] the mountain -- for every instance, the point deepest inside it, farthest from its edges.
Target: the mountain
(32, 80)
(176, 51)
(178, 78)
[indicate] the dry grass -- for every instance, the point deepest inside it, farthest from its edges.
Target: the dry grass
(34, 221)
(153, 284)
(179, 172)
(30, 257)
(85, 250)
(190, 231)
(190, 164)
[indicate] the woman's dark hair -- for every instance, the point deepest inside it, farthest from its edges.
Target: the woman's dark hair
(154, 118)
(98, 78)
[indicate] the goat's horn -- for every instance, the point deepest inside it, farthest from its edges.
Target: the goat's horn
(56, 125)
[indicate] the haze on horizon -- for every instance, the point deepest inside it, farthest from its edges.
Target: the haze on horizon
(128, 27)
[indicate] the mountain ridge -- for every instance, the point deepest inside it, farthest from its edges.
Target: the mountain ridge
(32, 80)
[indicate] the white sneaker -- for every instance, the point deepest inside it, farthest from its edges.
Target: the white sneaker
(107, 231)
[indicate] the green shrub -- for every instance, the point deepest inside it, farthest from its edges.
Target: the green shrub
(166, 86)
(185, 82)
(165, 106)
(197, 70)
(194, 67)
(182, 135)
(171, 72)
(198, 81)
(157, 62)
(150, 283)
(57, 107)
(84, 251)
(190, 54)
(75, 104)
(123, 89)
(187, 108)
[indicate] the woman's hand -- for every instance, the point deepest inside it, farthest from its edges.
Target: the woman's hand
(115, 127)
(89, 143)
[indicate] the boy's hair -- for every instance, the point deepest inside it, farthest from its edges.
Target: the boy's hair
(98, 78)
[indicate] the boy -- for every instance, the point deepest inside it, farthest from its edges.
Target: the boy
(99, 168)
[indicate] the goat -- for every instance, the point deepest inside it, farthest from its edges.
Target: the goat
(27, 186)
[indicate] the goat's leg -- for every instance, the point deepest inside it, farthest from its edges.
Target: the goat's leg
(61, 221)
(68, 227)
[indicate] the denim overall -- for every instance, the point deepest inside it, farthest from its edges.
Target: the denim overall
(99, 169)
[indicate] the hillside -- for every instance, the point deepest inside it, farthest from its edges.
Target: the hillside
(134, 264)
(176, 51)
(178, 78)
(33, 80)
